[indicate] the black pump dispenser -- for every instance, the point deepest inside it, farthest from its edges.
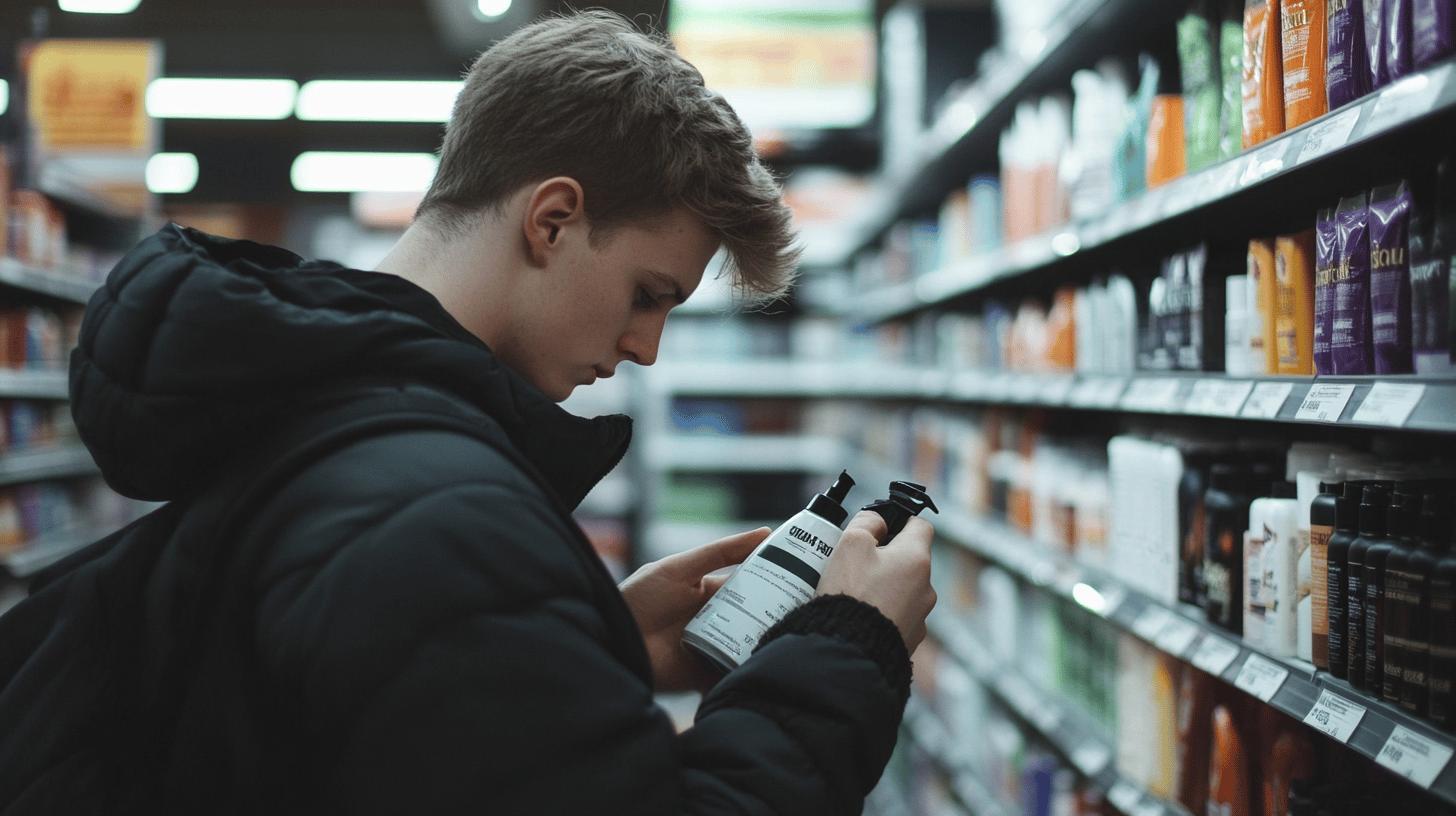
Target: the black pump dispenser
(829, 505)
(906, 499)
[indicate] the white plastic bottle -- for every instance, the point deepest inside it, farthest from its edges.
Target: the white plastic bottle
(778, 577)
(1236, 326)
(1280, 579)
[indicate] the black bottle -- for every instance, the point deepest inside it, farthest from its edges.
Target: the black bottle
(1227, 507)
(1442, 676)
(1374, 506)
(1323, 517)
(1347, 529)
(1408, 581)
(1401, 521)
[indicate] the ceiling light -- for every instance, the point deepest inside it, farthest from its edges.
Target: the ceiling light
(172, 173)
(340, 172)
(339, 100)
(4, 96)
(196, 98)
(491, 9)
(99, 6)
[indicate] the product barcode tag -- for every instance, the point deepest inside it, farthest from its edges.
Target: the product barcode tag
(1158, 395)
(1214, 655)
(1218, 397)
(1267, 400)
(1389, 403)
(1328, 136)
(1335, 715)
(1091, 757)
(1150, 622)
(1177, 635)
(1124, 797)
(1261, 677)
(1406, 99)
(1325, 402)
(1265, 162)
(1413, 756)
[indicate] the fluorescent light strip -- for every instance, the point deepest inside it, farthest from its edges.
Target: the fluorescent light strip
(172, 173)
(100, 6)
(340, 172)
(199, 98)
(345, 100)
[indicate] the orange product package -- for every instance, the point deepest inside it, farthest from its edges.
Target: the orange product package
(1167, 149)
(1303, 47)
(1263, 72)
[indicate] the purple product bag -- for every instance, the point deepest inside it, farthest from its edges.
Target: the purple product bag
(1350, 349)
(1326, 259)
(1377, 72)
(1397, 39)
(1390, 295)
(1347, 73)
(1433, 31)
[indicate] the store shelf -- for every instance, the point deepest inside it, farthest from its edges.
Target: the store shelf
(966, 133)
(15, 274)
(1293, 687)
(1062, 725)
(36, 466)
(749, 378)
(33, 385)
(926, 731)
(48, 549)
(744, 454)
(1304, 149)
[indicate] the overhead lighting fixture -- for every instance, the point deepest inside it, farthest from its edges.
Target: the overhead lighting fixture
(491, 9)
(99, 6)
(4, 96)
(1089, 598)
(342, 172)
(174, 173)
(199, 98)
(347, 100)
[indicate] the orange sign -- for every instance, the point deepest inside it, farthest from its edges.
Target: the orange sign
(91, 94)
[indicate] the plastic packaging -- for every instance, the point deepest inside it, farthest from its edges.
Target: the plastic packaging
(1374, 507)
(1303, 43)
(906, 500)
(1441, 705)
(1390, 292)
(1231, 79)
(778, 577)
(1397, 39)
(1198, 57)
(1236, 357)
(1323, 517)
(1397, 597)
(1167, 146)
(1377, 71)
(1430, 270)
(1229, 788)
(1324, 294)
(1433, 31)
(1130, 169)
(1264, 298)
(1347, 530)
(1350, 347)
(1294, 323)
(1263, 95)
(1347, 63)
(1227, 506)
(1402, 513)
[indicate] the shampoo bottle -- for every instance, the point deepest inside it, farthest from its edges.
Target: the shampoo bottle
(1441, 705)
(1279, 586)
(1400, 519)
(777, 578)
(1374, 506)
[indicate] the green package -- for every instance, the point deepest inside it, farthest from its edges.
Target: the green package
(1231, 59)
(1197, 55)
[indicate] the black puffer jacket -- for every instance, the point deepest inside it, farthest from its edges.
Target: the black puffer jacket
(430, 629)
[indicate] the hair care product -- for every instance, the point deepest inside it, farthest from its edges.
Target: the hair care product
(1236, 356)
(1323, 517)
(1324, 299)
(1433, 31)
(1303, 44)
(1294, 321)
(1231, 79)
(1347, 530)
(1441, 678)
(1130, 174)
(1375, 47)
(1403, 513)
(1263, 96)
(778, 577)
(1430, 292)
(1350, 346)
(1195, 354)
(1404, 603)
(1289, 759)
(1279, 586)
(1390, 295)
(1347, 63)
(1229, 789)
(1374, 506)
(905, 501)
(1167, 146)
(1397, 38)
(1192, 747)
(1198, 57)
(1227, 505)
(1264, 298)
(1254, 604)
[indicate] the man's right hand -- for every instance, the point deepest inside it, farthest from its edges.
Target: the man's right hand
(895, 578)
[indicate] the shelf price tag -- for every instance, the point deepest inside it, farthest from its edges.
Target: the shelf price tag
(1218, 397)
(1154, 395)
(1325, 402)
(1085, 393)
(1267, 400)
(1329, 135)
(1261, 677)
(1407, 99)
(1110, 392)
(1413, 756)
(1091, 757)
(1055, 390)
(967, 384)
(1334, 715)
(1150, 622)
(1389, 403)
(1024, 388)
(1148, 807)
(1214, 655)
(1177, 635)
(1124, 797)
(1265, 162)
(1227, 177)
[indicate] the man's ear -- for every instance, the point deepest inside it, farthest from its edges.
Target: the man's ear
(555, 206)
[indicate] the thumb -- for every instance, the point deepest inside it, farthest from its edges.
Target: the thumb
(725, 552)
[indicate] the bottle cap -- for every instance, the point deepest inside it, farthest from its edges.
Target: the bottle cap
(1374, 504)
(1283, 490)
(829, 505)
(906, 499)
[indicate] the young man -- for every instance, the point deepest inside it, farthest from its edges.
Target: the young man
(411, 622)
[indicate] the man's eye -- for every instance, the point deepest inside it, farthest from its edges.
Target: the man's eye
(644, 299)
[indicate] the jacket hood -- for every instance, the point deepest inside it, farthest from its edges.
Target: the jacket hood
(198, 347)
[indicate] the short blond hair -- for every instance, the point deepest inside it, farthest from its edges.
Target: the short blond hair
(589, 96)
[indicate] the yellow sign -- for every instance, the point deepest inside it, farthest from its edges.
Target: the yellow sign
(91, 94)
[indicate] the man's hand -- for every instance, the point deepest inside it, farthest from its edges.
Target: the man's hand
(894, 578)
(665, 595)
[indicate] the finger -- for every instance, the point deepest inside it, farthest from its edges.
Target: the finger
(712, 583)
(916, 535)
(725, 552)
(866, 526)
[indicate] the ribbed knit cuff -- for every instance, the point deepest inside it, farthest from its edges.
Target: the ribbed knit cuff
(854, 621)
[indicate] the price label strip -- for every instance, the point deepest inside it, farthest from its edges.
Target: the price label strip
(1389, 403)
(1214, 655)
(1124, 797)
(1267, 400)
(1264, 162)
(1085, 393)
(1152, 395)
(1325, 402)
(1177, 635)
(1091, 758)
(1110, 393)
(1406, 99)
(1413, 756)
(1334, 715)
(1148, 807)
(1150, 622)
(1054, 391)
(1328, 136)
(1261, 677)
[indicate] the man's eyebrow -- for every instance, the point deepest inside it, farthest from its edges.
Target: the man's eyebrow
(669, 283)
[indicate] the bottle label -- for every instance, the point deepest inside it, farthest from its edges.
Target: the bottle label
(1355, 624)
(1335, 590)
(1405, 649)
(1319, 546)
(1374, 633)
(1442, 670)
(779, 577)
